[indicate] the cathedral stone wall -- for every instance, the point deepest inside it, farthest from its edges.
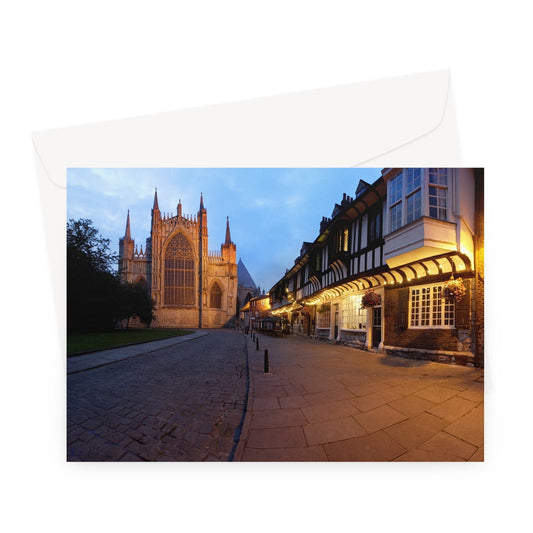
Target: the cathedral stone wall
(186, 296)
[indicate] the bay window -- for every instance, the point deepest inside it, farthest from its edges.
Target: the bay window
(417, 192)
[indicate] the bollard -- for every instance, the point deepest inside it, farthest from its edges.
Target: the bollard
(257, 344)
(266, 362)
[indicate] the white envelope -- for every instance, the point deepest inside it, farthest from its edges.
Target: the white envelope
(404, 121)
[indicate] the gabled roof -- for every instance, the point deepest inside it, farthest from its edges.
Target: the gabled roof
(243, 277)
(362, 187)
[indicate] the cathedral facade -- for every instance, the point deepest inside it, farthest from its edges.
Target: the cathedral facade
(191, 286)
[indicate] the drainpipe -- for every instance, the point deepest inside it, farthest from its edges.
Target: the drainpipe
(200, 265)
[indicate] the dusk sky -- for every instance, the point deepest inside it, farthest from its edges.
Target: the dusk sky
(271, 210)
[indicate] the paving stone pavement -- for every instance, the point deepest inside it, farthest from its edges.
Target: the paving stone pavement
(178, 403)
(323, 402)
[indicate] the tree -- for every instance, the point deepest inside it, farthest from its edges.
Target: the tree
(136, 302)
(96, 300)
(92, 286)
(85, 246)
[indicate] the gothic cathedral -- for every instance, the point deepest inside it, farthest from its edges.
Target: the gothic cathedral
(191, 286)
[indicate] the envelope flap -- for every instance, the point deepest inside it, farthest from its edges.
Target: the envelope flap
(340, 126)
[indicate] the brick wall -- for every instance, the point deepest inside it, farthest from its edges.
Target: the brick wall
(480, 269)
(398, 334)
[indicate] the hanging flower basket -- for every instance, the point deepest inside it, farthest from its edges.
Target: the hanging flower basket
(305, 312)
(324, 308)
(370, 299)
(454, 290)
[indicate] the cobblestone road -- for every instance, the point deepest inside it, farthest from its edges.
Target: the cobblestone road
(183, 403)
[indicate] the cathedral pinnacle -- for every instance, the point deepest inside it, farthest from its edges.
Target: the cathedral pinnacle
(128, 233)
(156, 203)
(228, 234)
(202, 208)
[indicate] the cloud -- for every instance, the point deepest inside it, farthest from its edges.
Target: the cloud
(271, 211)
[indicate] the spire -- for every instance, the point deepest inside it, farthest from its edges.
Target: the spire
(156, 203)
(179, 209)
(228, 234)
(202, 208)
(128, 233)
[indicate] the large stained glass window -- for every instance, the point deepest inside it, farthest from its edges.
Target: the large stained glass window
(179, 272)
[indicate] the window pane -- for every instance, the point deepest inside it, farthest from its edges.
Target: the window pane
(449, 314)
(429, 309)
(415, 307)
(323, 319)
(425, 307)
(438, 176)
(414, 206)
(438, 202)
(353, 317)
(437, 307)
(413, 179)
(396, 217)
(395, 189)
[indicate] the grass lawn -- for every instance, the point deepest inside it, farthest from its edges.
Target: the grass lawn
(88, 342)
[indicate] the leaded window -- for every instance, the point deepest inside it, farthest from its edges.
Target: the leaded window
(179, 272)
(345, 239)
(428, 309)
(323, 319)
(353, 316)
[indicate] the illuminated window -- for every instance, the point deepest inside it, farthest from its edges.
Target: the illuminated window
(215, 296)
(179, 272)
(323, 319)
(428, 309)
(353, 317)
(345, 239)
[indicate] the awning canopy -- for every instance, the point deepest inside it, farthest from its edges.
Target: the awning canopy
(448, 263)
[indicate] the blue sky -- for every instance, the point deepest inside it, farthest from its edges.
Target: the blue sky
(271, 210)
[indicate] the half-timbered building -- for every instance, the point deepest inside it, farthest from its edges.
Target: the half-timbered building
(398, 268)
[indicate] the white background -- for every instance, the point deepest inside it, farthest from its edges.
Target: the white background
(69, 63)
